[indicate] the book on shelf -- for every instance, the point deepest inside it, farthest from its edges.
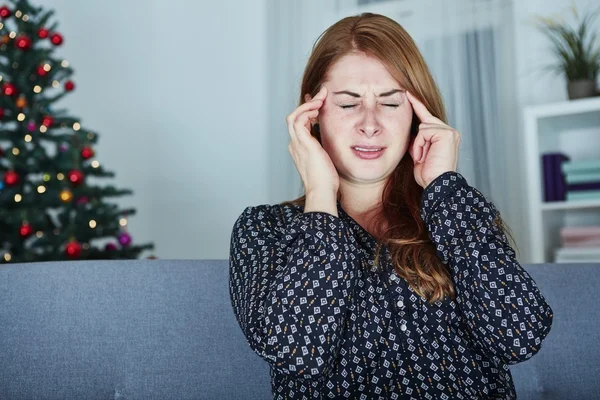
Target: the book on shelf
(555, 186)
(589, 165)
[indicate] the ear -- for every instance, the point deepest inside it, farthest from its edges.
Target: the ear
(307, 98)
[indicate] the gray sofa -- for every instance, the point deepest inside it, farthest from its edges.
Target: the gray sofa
(158, 329)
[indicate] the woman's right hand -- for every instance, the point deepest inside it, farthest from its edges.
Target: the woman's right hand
(314, 165)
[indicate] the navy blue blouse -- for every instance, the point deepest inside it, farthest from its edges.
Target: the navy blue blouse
(331, 324)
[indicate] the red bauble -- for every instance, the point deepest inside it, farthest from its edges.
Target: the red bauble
(69, 86)
(23, 42)
(47, 121)
(76, 177)
(87, 152)
(43, 33)
(5, 12)
(41, 71)
(26, 230)
(73, 249)
(9, 89)
(56, 39)
(1, 116)
(11, 178)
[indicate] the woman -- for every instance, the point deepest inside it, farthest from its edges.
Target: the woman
(391, 278)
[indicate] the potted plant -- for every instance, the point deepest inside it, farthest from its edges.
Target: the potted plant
(576, 50)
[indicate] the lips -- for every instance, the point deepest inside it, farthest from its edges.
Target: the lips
(367, 148)
(368, 152)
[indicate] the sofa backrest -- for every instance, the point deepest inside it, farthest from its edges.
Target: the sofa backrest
(143, 329)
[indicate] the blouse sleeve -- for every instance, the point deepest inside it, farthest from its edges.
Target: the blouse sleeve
(507, 315)
(290, 285)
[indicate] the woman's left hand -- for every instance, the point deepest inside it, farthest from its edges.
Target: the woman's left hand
(435, 148)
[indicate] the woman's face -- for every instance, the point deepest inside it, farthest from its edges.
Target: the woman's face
(365, 120)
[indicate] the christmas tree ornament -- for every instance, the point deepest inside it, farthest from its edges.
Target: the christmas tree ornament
(110, 247)
(87, 153)
(69, 86)
(26, 230)
(5, 39)
(73, 249)
(56, 39)
(125, 239)
(41, 71)
(63, 147)
(76, 177)
(31, 126)
(23, 42)
(5, 12)
(9, 89)
(47, 121)
(1, 113)
(21, 102)
(66, 195)
(82, 200)
(43, 33)
(11, 178)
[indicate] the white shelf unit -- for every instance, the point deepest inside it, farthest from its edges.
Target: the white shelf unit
(571, 127)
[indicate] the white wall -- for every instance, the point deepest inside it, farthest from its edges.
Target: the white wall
(177, 91)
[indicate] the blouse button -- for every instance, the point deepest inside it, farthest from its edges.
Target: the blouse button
(403, 327)
(400, 304)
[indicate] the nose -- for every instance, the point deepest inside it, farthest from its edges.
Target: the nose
(369, 125)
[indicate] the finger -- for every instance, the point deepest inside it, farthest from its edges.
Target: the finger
(422, 112)
(292, 118)
(315, 103)
(302, 123)
(425, 151)
(425, 125)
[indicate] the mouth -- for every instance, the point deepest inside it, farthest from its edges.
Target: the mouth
(368, 152)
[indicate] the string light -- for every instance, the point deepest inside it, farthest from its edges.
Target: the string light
(60, 176)
(92, 223)
(21, 117)
(55, 84)
(43, 128)
(25, 17)
(47, 67)
(95, 164)
(37, 89)
(28, 138)
(39, 234)
(41, 189)
(123, 222)
(12, 35)
(16, 151)
(90, 136)
(7, 257)
(76, 126)
(46, 177)
(18, 198)
(18, 13)
(64, 63)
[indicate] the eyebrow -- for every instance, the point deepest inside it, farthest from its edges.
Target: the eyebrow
(384, 94)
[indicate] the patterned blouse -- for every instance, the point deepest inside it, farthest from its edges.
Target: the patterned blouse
(331, 324)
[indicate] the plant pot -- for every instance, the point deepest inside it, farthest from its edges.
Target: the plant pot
(581, 88)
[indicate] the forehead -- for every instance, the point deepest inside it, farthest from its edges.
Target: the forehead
(359, 69)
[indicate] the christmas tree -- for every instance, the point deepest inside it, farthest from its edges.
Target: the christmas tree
(52, 206)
